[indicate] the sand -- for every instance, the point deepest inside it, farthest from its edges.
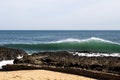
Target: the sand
(39, 75)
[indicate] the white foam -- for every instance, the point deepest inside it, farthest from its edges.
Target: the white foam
(66, 40)
(19, 57)
(84, 40)
(97, 54)
(4, 62)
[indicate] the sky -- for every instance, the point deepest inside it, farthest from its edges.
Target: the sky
(59, 14)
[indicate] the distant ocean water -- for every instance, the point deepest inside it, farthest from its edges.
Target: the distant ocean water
(50, 40)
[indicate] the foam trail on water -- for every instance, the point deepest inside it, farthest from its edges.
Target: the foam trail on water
(97, 54)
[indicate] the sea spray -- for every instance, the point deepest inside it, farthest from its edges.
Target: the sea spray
(4, 62)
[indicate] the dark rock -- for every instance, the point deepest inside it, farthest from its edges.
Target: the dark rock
(65, 59)
(77, 71)
(10, 67)
(29, 60)
(10, 53)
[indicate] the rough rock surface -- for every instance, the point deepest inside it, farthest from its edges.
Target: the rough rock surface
(10, 53)
(65, 59)
(77, 71)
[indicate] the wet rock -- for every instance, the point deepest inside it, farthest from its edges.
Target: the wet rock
(10, 53)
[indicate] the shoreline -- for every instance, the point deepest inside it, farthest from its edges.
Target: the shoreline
(39, 75)
(99, 67)
(73, 71)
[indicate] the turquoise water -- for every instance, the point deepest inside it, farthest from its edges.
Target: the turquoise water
(35, 41)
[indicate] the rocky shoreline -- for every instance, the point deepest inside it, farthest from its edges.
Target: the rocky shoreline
(95, 67)
(65, 59)
(10, 53)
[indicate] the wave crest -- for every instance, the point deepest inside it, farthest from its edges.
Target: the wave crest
(83, 40)
(92, 44)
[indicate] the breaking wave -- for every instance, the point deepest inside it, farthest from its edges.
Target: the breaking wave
(92, 44)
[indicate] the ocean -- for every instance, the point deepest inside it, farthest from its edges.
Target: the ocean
(79, 42)
(62, 40)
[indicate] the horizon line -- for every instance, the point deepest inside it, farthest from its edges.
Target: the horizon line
(59, 30)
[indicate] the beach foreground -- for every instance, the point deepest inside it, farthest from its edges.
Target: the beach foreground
(39, 75)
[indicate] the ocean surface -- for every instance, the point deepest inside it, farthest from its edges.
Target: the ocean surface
(50, 40)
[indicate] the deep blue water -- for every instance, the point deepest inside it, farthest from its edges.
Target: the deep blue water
(99, 41)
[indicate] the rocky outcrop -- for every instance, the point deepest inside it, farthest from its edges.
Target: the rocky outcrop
(10, 53)
(46, 58)
(67, 60)
(105, 68)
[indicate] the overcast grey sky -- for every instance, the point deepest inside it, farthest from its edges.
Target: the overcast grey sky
(60, 14)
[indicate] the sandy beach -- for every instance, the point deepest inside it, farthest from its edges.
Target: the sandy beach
(39, 75)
